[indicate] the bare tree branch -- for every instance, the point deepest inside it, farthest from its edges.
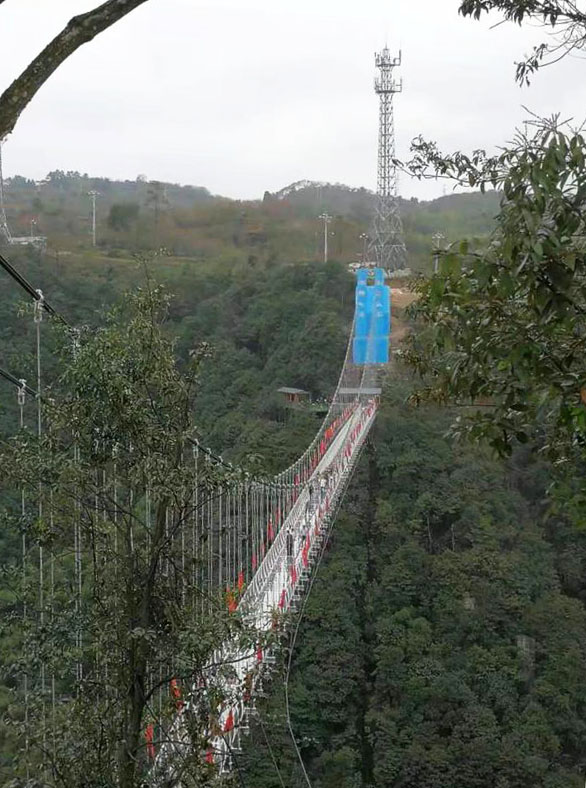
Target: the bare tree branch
(78, 31)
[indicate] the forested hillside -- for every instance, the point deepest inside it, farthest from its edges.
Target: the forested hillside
(266, 326)
(440, 642)
(444, 643)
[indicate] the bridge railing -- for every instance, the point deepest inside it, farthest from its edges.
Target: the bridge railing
(276, 585)
(231, 534)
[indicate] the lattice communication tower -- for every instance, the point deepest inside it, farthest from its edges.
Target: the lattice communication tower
(387, 246)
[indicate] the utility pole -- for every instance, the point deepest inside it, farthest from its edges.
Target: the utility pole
(326, 220)
(365, 239)
(387, 244)
(437, 239)
(93, 194)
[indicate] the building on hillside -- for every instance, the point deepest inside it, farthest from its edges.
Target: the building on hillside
(294, 396)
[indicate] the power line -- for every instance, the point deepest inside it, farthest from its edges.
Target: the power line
(37, 295)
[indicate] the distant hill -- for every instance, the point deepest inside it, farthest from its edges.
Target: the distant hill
(338, 199)
(359, 203)
(188, 221)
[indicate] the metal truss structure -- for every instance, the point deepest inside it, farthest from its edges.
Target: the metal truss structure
(387, 246)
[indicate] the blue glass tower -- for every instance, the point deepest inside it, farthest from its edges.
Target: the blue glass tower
(372, 321)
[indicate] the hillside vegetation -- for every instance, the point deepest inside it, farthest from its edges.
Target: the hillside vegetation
(443, 644)
(189, 222)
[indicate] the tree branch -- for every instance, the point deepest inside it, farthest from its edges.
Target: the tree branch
(561, 17)
(78, 31)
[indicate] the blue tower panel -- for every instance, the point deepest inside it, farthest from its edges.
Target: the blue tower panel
(372, 319)
(359, 350)
(381, 350)
(381, 320)
(362, 318)
(369, 306)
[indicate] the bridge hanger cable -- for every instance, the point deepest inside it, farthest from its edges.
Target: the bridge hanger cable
(38, 318)
(21, 399)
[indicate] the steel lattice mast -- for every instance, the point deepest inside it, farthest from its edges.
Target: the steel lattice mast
(387, 246)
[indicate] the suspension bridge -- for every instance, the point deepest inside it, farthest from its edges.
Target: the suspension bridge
(214, 538)
(247, 543)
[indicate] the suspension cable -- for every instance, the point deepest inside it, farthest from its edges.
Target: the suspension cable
(19, 383)
(33, 292)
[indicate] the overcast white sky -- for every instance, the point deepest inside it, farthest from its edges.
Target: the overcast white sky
(246, 95)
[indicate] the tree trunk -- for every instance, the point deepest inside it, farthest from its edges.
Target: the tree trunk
(138, 655)
(78, 31)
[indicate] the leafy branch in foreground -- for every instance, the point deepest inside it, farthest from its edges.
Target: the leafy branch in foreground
(505, 324)
(108, 609)
(566, 21)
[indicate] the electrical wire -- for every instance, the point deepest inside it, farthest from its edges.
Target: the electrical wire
(37, 296)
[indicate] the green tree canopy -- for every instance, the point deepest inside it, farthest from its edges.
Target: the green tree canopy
(504, 323)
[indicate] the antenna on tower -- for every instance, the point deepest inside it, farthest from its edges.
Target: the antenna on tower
(387, 246)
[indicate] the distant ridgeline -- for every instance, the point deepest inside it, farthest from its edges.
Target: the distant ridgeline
(136, 216)
(372, 318)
